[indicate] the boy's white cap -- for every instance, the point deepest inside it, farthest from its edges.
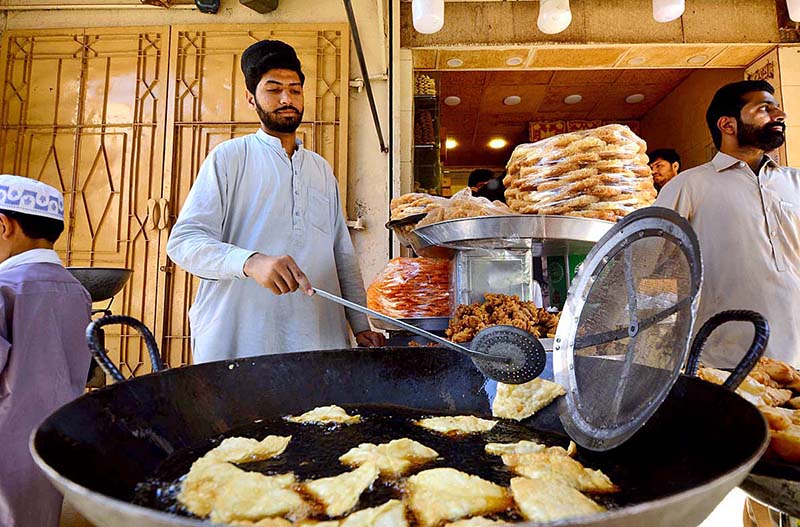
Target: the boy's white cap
(28, 196)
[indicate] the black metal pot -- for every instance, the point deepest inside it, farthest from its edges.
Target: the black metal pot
(700, 444)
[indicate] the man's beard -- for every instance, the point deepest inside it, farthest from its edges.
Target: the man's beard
(282, 124)
(765, 138)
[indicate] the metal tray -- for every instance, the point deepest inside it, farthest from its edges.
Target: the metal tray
(544, 235)
(426, 323)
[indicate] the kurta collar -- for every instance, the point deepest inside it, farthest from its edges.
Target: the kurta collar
(724, 161)
(30, 257)
(274, 142)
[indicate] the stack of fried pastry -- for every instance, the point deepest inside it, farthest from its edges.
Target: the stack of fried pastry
(464, 205)
(497, 309)
(774, 387)
(601, 173)
(412, 288)
(414, 203)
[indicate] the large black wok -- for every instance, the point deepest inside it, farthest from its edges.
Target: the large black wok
(700, 444)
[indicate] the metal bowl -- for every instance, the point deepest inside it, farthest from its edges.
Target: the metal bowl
(101, 282)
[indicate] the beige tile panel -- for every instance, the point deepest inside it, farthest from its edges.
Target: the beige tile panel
(516, 78)
(576, 57)
(789, 58)
(791, 104)
(482, 59)
(739, 55)
(573, 77)
(675, 56)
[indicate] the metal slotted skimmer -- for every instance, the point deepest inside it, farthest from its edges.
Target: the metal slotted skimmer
(625, 328)
(503, 353)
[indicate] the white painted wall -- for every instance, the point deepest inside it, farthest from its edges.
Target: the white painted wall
(368, 172)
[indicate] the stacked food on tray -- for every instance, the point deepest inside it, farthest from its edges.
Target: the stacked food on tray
(412, 288)
(601, 173)
(774, 387)
(497, 309)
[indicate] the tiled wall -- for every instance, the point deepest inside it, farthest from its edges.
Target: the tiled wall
(789, 60)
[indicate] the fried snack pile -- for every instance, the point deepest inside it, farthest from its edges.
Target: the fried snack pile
(412, 288)
(774, 387)
(499, 309)
(601, 173)
(414, 203)
(464, 205)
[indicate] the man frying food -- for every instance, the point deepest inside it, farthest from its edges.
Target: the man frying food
(264, 213)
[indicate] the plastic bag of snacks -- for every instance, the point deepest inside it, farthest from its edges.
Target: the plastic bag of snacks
(413, 204)
(464, 205)
(600, 173)
(412, 288)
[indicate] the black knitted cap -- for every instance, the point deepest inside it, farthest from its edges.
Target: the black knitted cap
(267, 55)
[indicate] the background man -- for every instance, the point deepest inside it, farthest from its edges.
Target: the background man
(265, 213)
(745, 210)
(665, 163)
(44, 357)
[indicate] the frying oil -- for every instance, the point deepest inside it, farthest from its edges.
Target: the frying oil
(314, 452)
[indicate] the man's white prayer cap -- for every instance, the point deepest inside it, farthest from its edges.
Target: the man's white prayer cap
(28, 196)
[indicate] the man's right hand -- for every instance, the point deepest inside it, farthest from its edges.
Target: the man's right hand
(279, 274)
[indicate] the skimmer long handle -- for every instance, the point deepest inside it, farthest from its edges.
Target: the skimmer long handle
(407, 327)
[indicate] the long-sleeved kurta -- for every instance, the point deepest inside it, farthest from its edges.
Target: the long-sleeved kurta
(748, 226)
(44, 360)
(250, 197)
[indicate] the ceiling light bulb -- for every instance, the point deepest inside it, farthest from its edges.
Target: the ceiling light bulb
(514, 61)
(573, 99)
(455, 63)
(668, 10)
(554, 16)
(637, 61)
(427, 15)
(794, 9)
(697, 59)
(450, 144)
(497, 143)
(512, 100)
(452, 100)
(634, 98)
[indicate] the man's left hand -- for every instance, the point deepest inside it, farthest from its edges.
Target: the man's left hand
(370, 339)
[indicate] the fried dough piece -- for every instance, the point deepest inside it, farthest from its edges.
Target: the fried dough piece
(786, 443)
(340, 493)
(780, 418)
(266, 522)
(204, 481)
(394, 458)
(326, 415)
(544, 500)
(750, 389)
(390, 514)
(519, 401)
(459, 425)
(520, 447)
(316, 523)
(782, 373)
(478, 521)
(442, 494)
(555, 464)
(253, 496)
(244, 449)
(794, 402)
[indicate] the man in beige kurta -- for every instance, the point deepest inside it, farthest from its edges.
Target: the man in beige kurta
(745, 209)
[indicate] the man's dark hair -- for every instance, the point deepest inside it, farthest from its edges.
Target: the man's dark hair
(267, 55)
(728, 102)
(37, 227)
(479, 176)
(667, 154)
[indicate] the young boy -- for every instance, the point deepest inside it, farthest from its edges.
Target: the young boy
(44, 357)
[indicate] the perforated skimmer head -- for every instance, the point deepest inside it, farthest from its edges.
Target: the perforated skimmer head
(523, 354)
(624, 332)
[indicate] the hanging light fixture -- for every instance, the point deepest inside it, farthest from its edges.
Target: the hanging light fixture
(427, 15)
(554, 16)
(668, 10)
(794, 9)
